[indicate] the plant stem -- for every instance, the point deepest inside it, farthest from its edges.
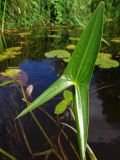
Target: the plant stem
(63, 132)
(55, 150)
(89, 150)
(7, 154)
(3, 18)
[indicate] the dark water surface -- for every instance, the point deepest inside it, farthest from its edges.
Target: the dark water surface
(104, 130)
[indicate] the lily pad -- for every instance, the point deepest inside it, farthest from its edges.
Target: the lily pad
(54, 36)
(109, 64)
(12, 49)
(66, 59)
(104, 60)
(58, 54)
(23, 34)
(11, 72)
(116, 40)
(10, 53)
(71, 46)
(102, 56)
(74, 38)
(14, 74)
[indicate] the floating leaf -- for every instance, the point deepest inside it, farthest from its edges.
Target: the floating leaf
(66, 59)
(23, 34)
(10, 53)
(15, 74)
(58, 54)
(74, 38)
(104, 60)
(70, 46)
(109, 64)
(11, 72)
(3, 57)
(116, 40)
(13, 49)
(54, 36)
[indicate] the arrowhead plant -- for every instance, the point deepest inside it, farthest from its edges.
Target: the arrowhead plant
(78, 73)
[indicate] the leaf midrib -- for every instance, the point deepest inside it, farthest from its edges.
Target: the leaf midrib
(86, 49)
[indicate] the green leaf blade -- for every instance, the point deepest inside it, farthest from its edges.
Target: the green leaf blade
(78, 73)
(81, 65)
(51, 92)
(68, 96)
(60, 107)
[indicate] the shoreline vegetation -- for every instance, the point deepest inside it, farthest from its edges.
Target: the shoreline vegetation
(39, 13)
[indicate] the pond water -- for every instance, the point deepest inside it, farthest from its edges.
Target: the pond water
(22, 138)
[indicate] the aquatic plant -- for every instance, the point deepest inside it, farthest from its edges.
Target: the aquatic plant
(6, 154)
(60, 107)
(17, 14)
(3, 16)
(11, 72)
(62, 54)
(12, 75)
(1, 44)
(78, 74)
(104, 60)
(112, 9)
(10, 53)
(116, 40)
(70, 46)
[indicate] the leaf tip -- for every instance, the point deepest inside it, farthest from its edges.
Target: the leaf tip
(25, 111)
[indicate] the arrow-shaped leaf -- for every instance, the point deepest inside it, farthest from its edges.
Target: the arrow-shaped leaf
(78, 73)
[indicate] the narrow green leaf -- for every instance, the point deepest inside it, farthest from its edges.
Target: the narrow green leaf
(7, 154)
(7, 82)
(52, 91)
(81, 65)
(1, 44)
(78, 73)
